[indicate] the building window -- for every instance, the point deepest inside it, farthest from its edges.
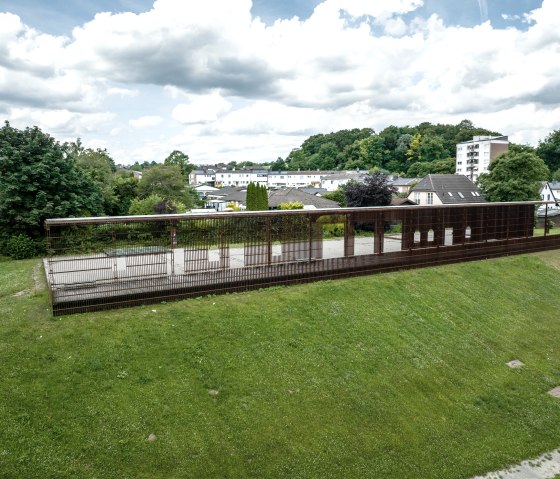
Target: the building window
(417, 197)
(430, 198)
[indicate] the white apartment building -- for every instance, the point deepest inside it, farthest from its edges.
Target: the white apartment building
(241, 177)
(295, 179)
(202, 177)
(474, 156)
(332, 182)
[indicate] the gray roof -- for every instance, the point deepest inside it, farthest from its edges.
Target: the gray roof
(315, 191)
(480, 138)
(289, 195)
(402, 181)
(451, 189)
(231, 193)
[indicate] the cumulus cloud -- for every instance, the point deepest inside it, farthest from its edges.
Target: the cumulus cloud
(201, 109)
(146, 121)
(223, 74)
(64, 124)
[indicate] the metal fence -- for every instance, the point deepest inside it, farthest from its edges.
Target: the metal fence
(100, 263)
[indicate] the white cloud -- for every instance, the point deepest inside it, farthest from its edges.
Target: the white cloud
(201, 109)
(122, 92)
(228, 79)
(146, 121)
(64, 124)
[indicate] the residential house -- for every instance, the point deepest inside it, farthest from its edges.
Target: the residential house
(402, 185)
(204, 190)
(296, 179)
(241, 177)
(333, 181)
(202, 176)
(445, 190)
(291, 195)
(550, 191)
(474, 156)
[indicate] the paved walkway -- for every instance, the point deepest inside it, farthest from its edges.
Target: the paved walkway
(546, 466)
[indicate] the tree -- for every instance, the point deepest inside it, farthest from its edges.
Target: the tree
(100, 167)
(155, 204)
(514, 176)
(180, 159)
(169, 183)
(414, 152)
(423, 168)
(278, 165)
(263, 198)
(336, 195)
(257, 197)
(125, 190)
(38, 180)
(373, 191)
(549, 150)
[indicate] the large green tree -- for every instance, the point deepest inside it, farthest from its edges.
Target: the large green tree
(514, 176)
(423, 168)
(549, 150)
(100, 168)
(180, 159)
(168, 183)
(39, 180)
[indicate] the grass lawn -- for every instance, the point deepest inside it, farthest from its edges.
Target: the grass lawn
(400, 375)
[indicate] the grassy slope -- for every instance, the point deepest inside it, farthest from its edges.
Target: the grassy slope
(391, 376)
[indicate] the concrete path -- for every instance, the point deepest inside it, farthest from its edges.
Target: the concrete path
(546, 466)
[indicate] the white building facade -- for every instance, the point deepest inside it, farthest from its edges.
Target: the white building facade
(474, 156)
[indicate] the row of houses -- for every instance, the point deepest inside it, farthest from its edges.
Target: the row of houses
(272, 180)
(431, 190)
(473, 158)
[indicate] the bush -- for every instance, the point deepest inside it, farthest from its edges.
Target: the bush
(21, 247)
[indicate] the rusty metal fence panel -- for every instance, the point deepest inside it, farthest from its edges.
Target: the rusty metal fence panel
(99, 263)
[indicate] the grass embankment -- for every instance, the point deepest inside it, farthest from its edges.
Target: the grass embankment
(399, 375)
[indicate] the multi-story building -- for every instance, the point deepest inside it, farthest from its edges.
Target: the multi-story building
(202, 176)
(296, 179)
(241, 177)
(474, 156)
(334, 181)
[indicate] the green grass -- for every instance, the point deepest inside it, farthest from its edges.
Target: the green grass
(399, 375)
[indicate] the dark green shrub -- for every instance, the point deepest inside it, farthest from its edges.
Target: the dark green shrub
(21, 247)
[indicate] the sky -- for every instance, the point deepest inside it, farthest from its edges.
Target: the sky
(235, 80)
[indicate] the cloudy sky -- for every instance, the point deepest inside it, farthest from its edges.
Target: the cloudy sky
(226, 80)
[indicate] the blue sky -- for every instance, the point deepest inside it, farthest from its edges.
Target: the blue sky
(61, 16)
(242, 80)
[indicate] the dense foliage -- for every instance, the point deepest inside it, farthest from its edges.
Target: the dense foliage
(373, 191)
(168, 183)
(394, 149)
(257, 197)
(514, 176)
(39, 180)
(549, 150)
(180, 159)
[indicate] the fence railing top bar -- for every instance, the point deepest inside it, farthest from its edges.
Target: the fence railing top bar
(241, 214)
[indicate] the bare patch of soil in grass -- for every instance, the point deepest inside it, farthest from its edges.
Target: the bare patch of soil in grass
(38, 282)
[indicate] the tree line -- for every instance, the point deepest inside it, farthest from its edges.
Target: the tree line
(42, 178)
(409, 151)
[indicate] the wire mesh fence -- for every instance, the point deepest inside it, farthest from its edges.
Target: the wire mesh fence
(100, 263)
